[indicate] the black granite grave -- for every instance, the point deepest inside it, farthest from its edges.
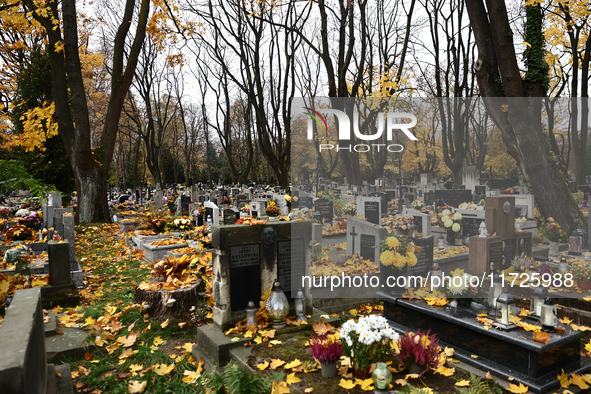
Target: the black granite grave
(231, 215)
(417, 220)
(372, 212)
(453, 198)
(472, 226)
(324, 206)
(424, 256)
(495, 255)
(508, 354)
(524, 246)
(509, 249)
(245, 275)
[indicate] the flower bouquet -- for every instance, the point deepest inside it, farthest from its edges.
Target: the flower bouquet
(287, 198)
(327, 349)
(417, 204)
(181, 224)
(397, 252)
(272, 210)
(32, 221)
(420, 349)
(403, 223)
(552, 231)
(367, 341)
(20, 233)
(349, 209)
(449, 221)
(4, 213)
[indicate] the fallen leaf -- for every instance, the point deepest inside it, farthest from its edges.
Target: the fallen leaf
(565, 320)
(309, 390)
(542, 337)
(275, 342)
(322, 328)
(136, 367)
(182, 325)
(563, 379)
(463, 383)
(579, 381)
(517, 389)
(136, 387)
(279, 388)
(88, 356)
(291, 378)
(263, 366)
(164, 324)
(473, 356)
(163, 369)
(365, 385)
(489, 376)
(293, 364)
(158, 341)
(411, 376)
(276, 363)
(401, 382)
(191, 376)
(347, 384)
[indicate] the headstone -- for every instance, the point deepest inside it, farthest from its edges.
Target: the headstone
(501, 184)
(472, 226)
(364, 238)
(231, 215)
(495, 256)
(214, 211)
(500, 216)
(258, 208)
(424, 257)
(324, 206)
(372, 211)
(426, 179)
(69, 235)
(59, 263)
(470, 177)
(421, 221)
(524, 244)
(245, 274)
(453, 198)
(185, 201)
(527, 201)
(509, 250)
(480, 190)
(291, 265)
(56, 198)
(430, 199)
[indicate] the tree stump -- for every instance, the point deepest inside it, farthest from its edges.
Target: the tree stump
(159, 302)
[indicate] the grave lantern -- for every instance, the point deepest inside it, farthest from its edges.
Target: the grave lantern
(549, 315)
(518, 225)
(277, 305)
(576, 242)
(504, 302)
(537, 300)
(318, 217)
(50, 200)
(563, 265)
(299, 305)
(441, 242)
(483, 232)
(251, 314)
(495, 291)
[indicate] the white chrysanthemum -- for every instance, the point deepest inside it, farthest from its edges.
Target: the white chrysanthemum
(480, 208)
(457, 216)
(446, 212)
(457, 290)
(22, 212)
(448, 223)
(456, 227)
(176, 222)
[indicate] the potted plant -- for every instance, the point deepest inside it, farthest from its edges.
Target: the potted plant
(327, 350)
(581, 271)
(367, 341)
(417, 205)
(460, 290)
(452, 223)
(418, 352)
(553, 233)
(397, 253)
(272, 211)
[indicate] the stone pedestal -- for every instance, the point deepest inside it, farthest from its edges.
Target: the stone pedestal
(478, 257)
(59, 263)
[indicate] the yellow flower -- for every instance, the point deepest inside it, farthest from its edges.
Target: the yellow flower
(411, 260)
(410, 248)
(399, 261)
(387, 258)
(392, 242)
(287, 197)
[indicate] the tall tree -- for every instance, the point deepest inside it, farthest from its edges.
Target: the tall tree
(515, 104)
(90, 166)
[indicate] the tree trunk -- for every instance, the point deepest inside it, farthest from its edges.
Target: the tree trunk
(517, 115)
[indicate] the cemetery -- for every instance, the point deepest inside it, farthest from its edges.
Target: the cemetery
(342, 197)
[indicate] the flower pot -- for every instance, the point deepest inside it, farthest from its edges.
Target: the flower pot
(554, 249)
(391, 287)
(584, 285)
(365, 373)
(451, 238)
(329, 370)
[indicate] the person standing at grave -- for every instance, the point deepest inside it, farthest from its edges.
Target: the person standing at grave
(449, 183)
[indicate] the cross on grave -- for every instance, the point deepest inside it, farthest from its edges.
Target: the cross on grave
(353, 234)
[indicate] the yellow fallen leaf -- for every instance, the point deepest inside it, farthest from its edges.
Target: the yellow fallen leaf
(401, 382)
(158, 341)
(190, 376)
(291, 378)
(449, 352)
(136, 367)
(489, 376)
(111, 309)
(309, 390)
(365, 385)
(511, 378)
(347, 384)
(248, 334)
(445, 371)
(263, 366)
(580, 328)
(188, 347)
(411, 376)
(463, 383)
(279, 388)
(236, 339)
(163, 369)
(473, 356)
(563, 379)
(517, 389)
(587, 378)
(293, 364)
(565, 320)
(182, 325)
(4, 286)
(578, 381)
(275, 342)
(98, 341)
(164, 324)
(136, 387)
(276, 363)
(258, 340)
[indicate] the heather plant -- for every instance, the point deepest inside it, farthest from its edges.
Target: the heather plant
(420, 348)
(325, 348)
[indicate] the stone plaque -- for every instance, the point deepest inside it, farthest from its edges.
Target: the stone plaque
(509, 249)
(367, 246)
(430, 198)
(372, 212)
(245, 275)
(453, 198)
(424, 257)
(524, 246)
(472, 226)
(418, 222)
(495, 255)
(325, 208)
(480, 190)
(291, 265)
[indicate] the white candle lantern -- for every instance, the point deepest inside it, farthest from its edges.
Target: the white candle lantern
(537, 300)
(251, 314)
(549, 315)
(277, 305)
(300, 304)
(504, 302)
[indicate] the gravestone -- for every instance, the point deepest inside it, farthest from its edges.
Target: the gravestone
(291, 265)
(500, 216)
(258, 208)
(246, 261)
(480, 190)
(185, 201)
(524, 244)
(472, 226)
(240, 198)
(421, 221)
(479, 257)
(324, 206)
(231, 215)
(58, 222)
(509, 250)
(55, 198)
(527, 201)
(426, 179)
(501, 184)
(372, 211)
(495, 256)
(214, 211)
(364, 238)
(59, 263)
(430, 199)
(424, 256)
(453, 198)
